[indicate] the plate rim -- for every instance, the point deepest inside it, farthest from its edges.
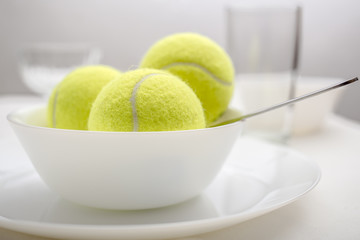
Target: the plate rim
(158, 230)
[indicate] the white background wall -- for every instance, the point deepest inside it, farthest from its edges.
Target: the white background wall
(125, 29)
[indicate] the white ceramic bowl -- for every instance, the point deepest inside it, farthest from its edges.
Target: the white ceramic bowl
(123, 170)
(310, 114)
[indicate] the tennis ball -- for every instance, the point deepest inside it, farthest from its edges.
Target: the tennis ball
(71, 100)
(146, 100)
(201, 63)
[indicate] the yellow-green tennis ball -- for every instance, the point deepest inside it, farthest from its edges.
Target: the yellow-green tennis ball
(201, 63)
(146, 100)
(71, 100)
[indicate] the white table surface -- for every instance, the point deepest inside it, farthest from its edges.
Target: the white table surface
(330, 211)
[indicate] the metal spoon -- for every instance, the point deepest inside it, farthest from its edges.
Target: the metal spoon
(341, 84)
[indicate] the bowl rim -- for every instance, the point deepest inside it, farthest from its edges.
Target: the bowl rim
(12, 118)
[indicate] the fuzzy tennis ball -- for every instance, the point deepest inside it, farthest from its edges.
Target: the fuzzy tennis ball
(201, 63)
(71, 100)
(146, 100)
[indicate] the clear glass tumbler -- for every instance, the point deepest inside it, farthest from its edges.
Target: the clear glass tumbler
(263, 41)
(42, 66)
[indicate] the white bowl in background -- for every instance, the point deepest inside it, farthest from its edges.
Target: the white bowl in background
(310, 114)
(123, 170)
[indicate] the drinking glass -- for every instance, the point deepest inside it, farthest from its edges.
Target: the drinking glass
(42, 66)
(263, 42)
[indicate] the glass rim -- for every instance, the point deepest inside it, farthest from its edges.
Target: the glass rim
(249, 6)
(58, 46)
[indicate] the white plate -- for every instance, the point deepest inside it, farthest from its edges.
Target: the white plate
(253, 182)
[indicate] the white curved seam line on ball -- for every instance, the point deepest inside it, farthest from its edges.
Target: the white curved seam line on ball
(219, 80)
(133, 100)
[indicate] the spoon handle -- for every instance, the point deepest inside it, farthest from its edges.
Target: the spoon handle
(267, 109)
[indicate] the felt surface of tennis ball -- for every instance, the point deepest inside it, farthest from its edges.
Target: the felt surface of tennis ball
(71, 100)
(201, 63)
(146, 100)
